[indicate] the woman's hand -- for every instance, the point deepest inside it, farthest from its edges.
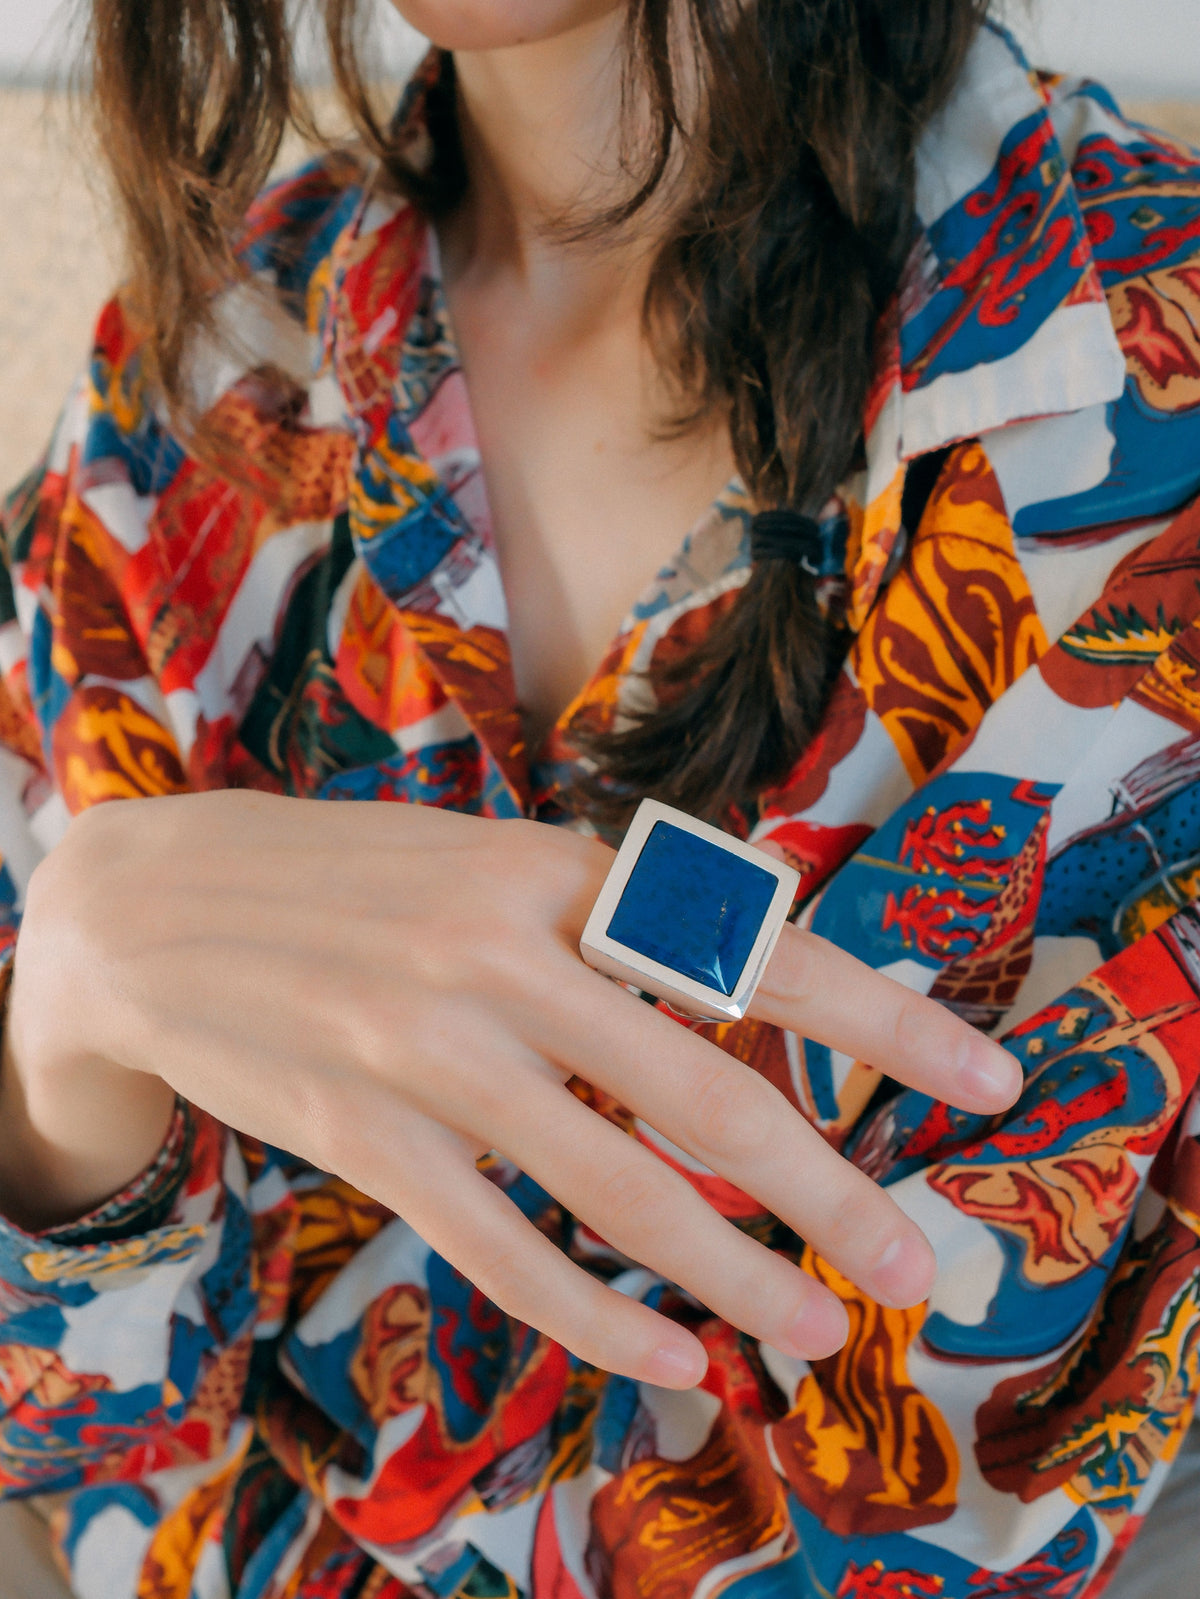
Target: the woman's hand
(390, 991)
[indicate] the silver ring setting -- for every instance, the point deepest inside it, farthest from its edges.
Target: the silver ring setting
(688, 914)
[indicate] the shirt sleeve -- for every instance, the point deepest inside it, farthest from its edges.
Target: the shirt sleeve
(125, 1336)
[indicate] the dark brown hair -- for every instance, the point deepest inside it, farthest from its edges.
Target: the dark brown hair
(783, 254)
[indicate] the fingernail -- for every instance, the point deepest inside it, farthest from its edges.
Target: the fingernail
(676, 1366)
(820, 1329)
(905, 1272)
(992, 1076)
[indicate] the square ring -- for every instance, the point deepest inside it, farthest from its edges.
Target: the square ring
(688, 914)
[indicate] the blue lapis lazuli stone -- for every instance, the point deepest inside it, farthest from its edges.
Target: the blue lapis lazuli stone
(693, 906)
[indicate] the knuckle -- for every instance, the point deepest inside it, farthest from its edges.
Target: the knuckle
(795, 963)
(443, 954)
(394, 1039)
(850, 1229)
(515, 851)
(501, 1274)
(627, 1197)
(491, 953)
(596, 1343)
(508, 1274)
(500, 961)
(554, 865)
(326, 1134)
(914, 1026)
(507, 1277)
(452, 951)
(860, 1222)
(527, 837)
(732, 1114)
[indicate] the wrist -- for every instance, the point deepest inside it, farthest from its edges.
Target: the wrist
(75, 1128)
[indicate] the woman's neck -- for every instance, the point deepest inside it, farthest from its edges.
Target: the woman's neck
(540, 126)
(568, 397)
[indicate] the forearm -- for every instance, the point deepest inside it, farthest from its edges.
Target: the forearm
(73, 1134)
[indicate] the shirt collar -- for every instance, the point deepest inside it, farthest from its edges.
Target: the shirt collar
(1001, 317)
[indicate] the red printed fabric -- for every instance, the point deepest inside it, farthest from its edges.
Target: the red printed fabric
(241, 1379)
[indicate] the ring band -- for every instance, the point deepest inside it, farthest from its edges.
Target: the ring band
(688, 914)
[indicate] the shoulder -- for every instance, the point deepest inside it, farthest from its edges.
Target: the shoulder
(270, 345)
(1052, 315)
(1138, 187)
(1058, 275)
(1138, 191)
(116, 465)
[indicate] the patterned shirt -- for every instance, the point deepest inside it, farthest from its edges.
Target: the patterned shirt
(242, 1379)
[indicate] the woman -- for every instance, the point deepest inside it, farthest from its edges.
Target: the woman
(316, 1280)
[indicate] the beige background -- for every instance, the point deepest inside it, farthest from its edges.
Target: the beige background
(54, 271)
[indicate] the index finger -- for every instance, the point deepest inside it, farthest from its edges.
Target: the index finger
(814, 988)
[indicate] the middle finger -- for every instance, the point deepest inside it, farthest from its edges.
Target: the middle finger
(814, 988)
(732, 1120)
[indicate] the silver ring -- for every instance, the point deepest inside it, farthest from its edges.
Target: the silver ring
(688, 914)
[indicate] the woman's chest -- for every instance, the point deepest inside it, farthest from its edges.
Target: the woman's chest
(586, 493)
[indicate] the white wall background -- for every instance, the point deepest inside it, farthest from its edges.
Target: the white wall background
(37, 36)
(1146, 48)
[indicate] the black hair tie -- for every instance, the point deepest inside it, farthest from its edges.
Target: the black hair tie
(783, 535)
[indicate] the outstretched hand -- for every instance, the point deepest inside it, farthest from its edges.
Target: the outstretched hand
(391, 991)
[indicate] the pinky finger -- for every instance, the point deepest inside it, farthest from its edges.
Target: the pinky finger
(472, 1224)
